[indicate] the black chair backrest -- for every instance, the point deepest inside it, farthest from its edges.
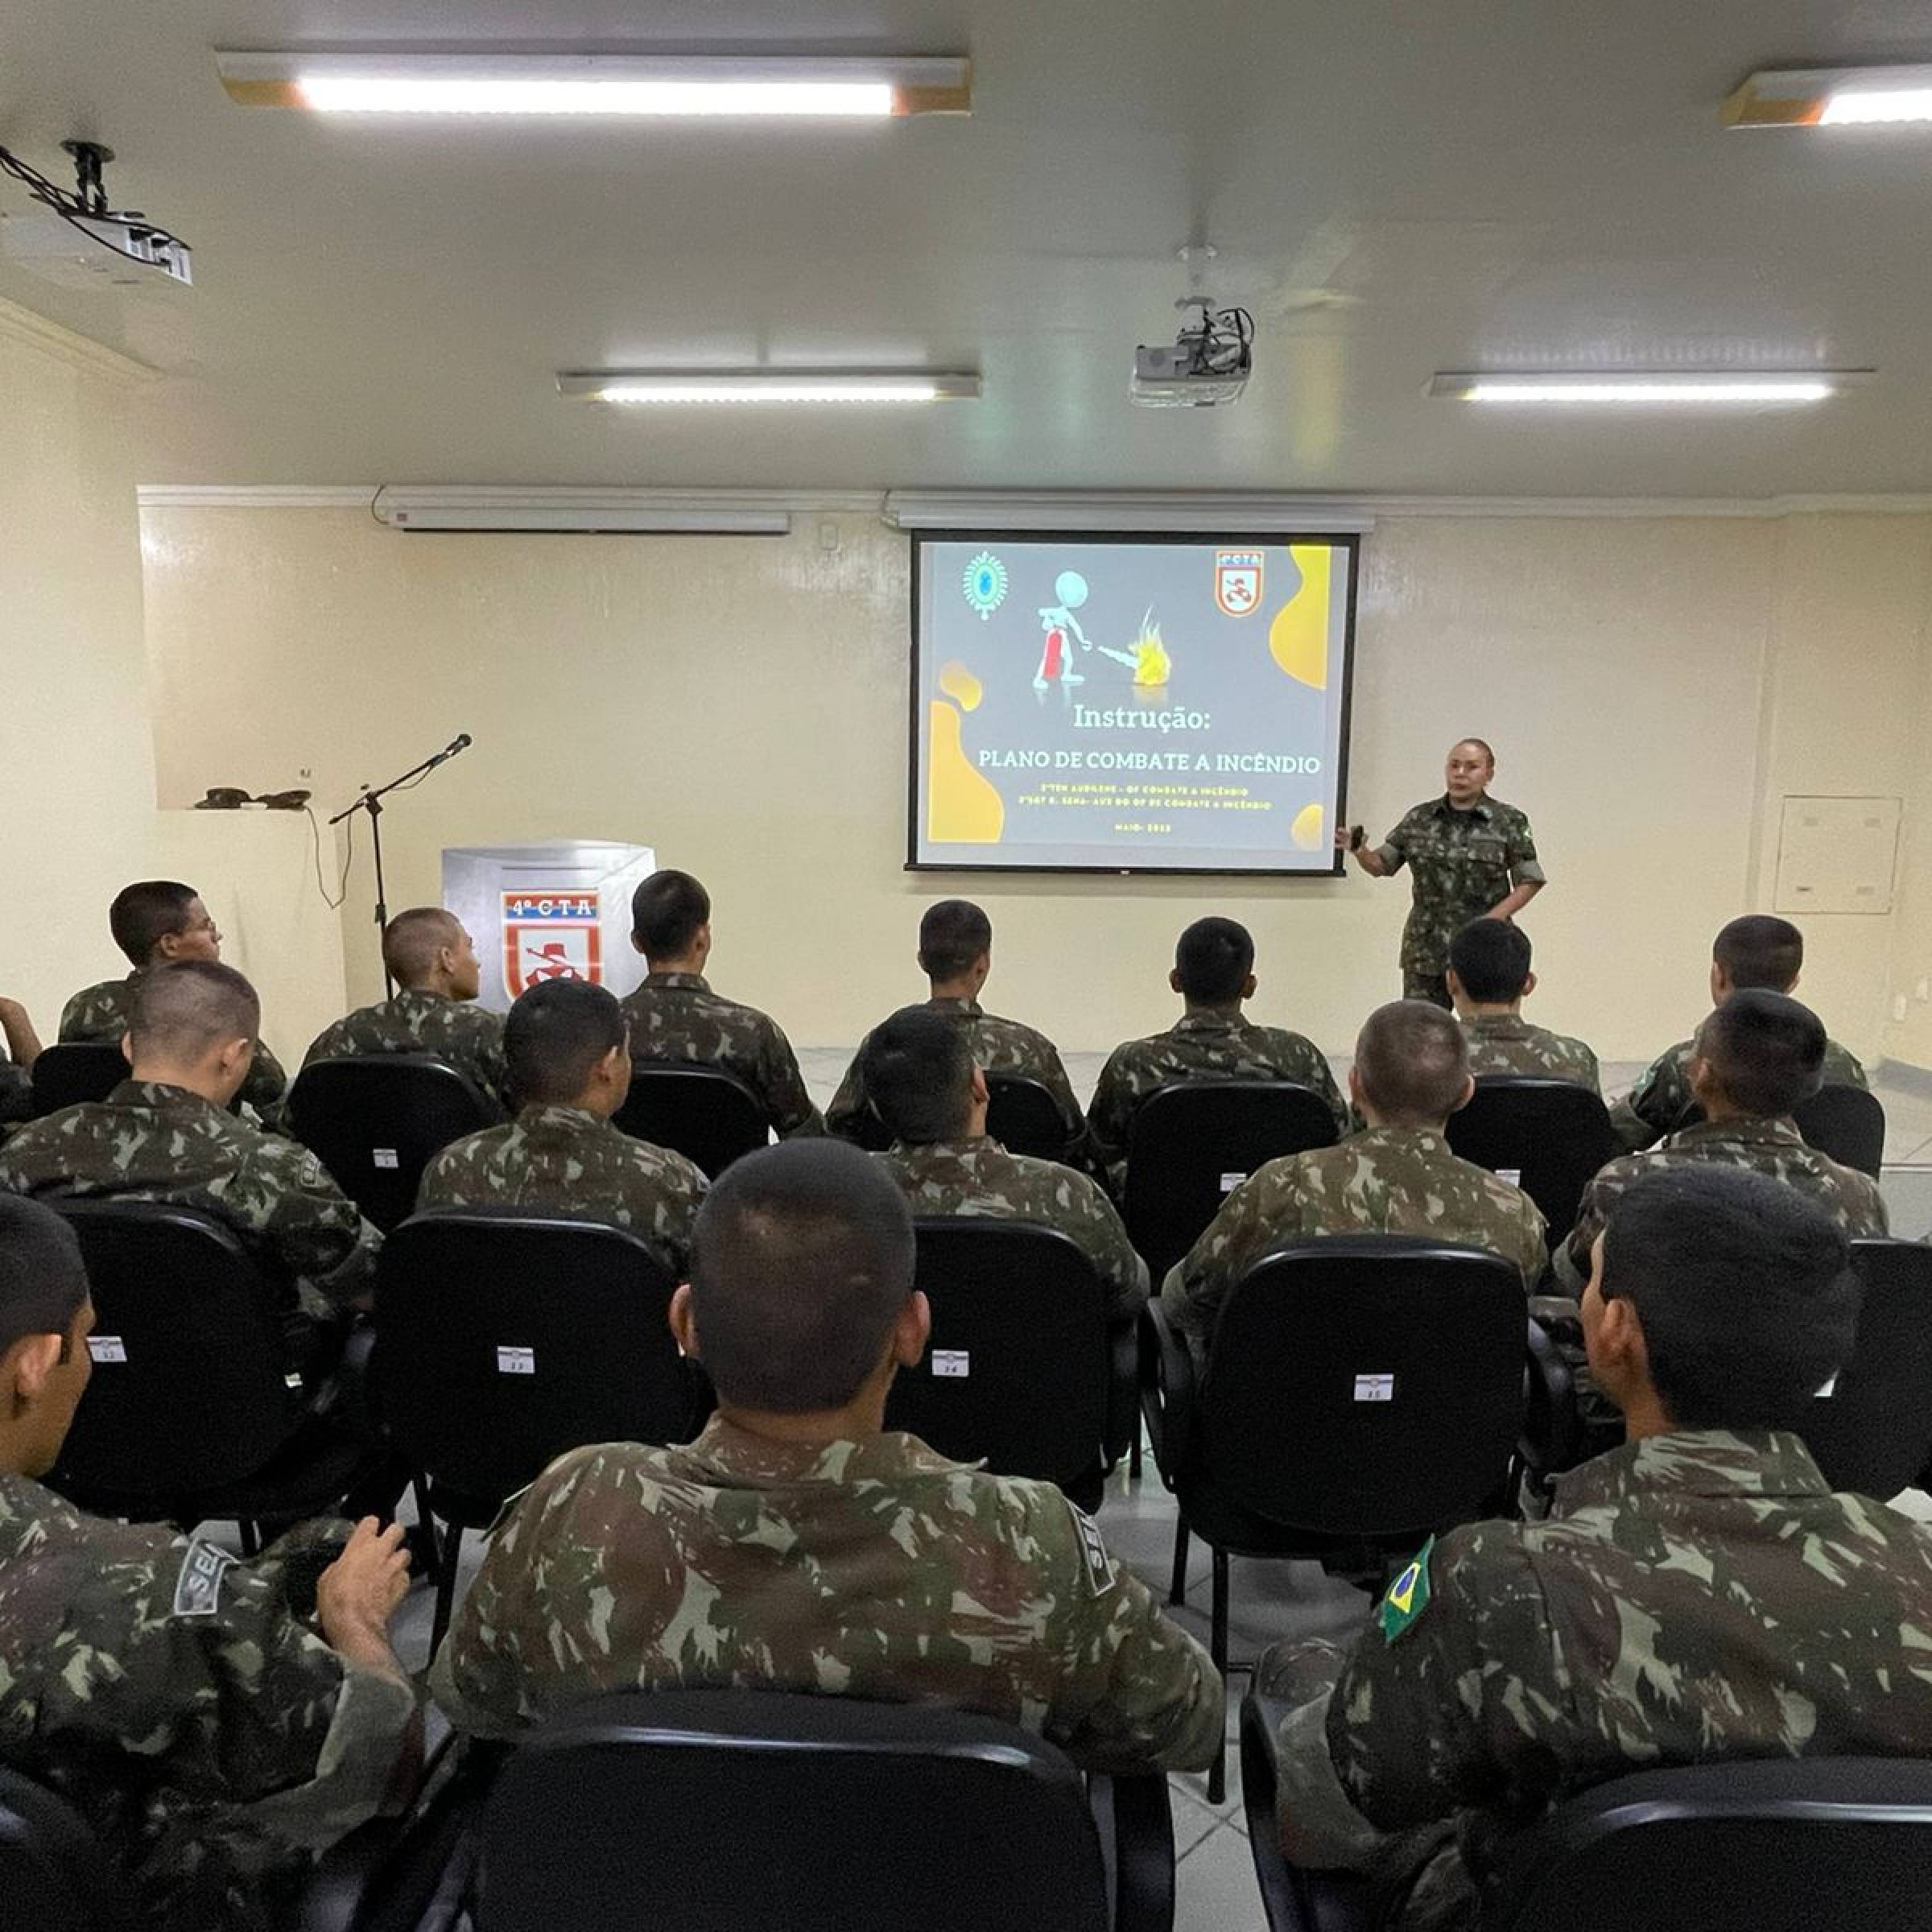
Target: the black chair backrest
(1783, 1845)
(699, 1112)
(714, 1810)
(1023, 1117)
(1873, 1432)
(1196, 1142)
(1366, 1385)
(375, 1120)
(1845, 1123)
(56, 1876)
(74, 1070)
(504, 1339)
(189, 1391)
(1019, 1367)
(1549, 1136)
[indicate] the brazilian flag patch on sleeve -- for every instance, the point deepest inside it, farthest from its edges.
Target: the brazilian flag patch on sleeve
(1408, 1597)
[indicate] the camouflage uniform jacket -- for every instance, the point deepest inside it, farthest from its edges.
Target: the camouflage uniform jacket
(1693, 1597)
(565, 1160)
(871, 1567)
(1661, 1101)
(169, 1693)
(1386, 1180)
(100, 1013)
(1506, 1043)
(1462, 862)
(16, 1092)
(1205, 1044)
(150, 1141)
(462, 1035)
(977, 1175)
(676, 1017)
(1772, 1147)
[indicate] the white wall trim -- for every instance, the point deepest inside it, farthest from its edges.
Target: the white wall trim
(19, 325)
(361, 496)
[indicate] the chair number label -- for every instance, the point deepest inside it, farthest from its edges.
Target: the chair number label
(1230, 1182)
(107, 1347)
(952, 1361)
(1375, 1387)
(516, 1361)
(385, 1157)
(1513, 1175)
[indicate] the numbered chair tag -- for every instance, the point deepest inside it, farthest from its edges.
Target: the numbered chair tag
(1830, 1388)
(1513, 1175)
(1230, 1182)
(385, 1157)
(952, 1361)
(516, 1361)
(1375, 1387)
(107, 1347)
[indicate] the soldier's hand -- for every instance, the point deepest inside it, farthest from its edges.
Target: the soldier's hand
(358, 1594)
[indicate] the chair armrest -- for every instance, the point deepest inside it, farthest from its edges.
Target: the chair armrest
(1136, 1826)
(1293, 1900)
(1166, 1388)
(1123, 1386)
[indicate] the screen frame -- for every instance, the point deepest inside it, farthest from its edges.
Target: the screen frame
(1350, 541)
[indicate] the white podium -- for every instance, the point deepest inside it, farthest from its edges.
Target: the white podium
(547, 912)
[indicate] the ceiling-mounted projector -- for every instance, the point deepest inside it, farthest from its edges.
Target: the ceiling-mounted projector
(75, 238)
(1209, 364)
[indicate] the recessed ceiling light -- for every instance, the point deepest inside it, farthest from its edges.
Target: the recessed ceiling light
(719, 86)
(1645, 388)
(676, 386)
(1832, 97)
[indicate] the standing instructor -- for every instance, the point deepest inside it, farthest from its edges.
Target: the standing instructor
(1473, 857)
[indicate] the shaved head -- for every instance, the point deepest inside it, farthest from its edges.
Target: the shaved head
(412, 940)
(1413, 1061)
(183, 1011)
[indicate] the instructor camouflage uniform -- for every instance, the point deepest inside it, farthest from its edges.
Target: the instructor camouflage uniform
(1661, 1101)
(1506, 1043)
(975, 1175)
(1386, 1180)
(676, 1017)
(458, 1032)
(872, 1568)
(1204, 1045)
(568, 1161)
(174, 1697)
(1675, 1609)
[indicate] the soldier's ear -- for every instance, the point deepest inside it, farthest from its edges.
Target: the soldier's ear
(1467, 1094)
(1174, 980)
(25, 1368)
(1529, 986)
(683, 1328)
(1248, 987)
(127, 1048)
(637, 945)
(912, 1331)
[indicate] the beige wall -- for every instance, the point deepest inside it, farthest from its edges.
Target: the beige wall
(1652, 684)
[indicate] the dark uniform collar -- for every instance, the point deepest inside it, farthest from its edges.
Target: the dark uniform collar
(1212, 1019)
(418, 997)
(1498, 1027)
(1754, 1130)
(678, 982)
(1693, 1462)
(955, 1147)
(1483, 809)
(163, 1094)
(1420, 1140)
(956, 1003)
(572, 1120)
(745, 1461)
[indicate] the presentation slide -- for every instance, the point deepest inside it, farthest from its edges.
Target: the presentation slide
(1130, 703)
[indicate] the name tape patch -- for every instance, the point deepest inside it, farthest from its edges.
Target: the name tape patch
(516, 1361)
(1099, 1571)
(952, 1361)
(107, 1347)
(1230, 1182)
(384, 1157)
(198, 1588)
(1375, 1387)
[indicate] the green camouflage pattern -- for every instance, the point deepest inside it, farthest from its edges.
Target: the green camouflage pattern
(976, 1175)
(567, 1161)
(1661, 1101)
(676, 1017)
(148, 1141)
(208, 1734)
(1506, 1043)
(1772, 1147)
(871, 1568)
(1207, 1044)
(100, 1013)
(1693, 1597)
(461, 1034)
(1461, 863)
(1386, 1180)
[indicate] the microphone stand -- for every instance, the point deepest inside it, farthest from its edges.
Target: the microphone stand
(369, 800)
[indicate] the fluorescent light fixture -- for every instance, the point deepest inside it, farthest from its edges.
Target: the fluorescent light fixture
(458, 506)
(649, 85)
(1833, 96)
(741, 386)
(1646, 388)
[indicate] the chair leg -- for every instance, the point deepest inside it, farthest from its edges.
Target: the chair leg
(1134, 1452)
(446, 1585)
(1217, 1778)
(1177, 1592)
(251, 1538)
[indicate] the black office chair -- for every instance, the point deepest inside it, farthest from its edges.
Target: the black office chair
(505, 1338)
(56, 1876)
(1023, 1370)
(73, 1070)
(193, 1411)
(701, 1112)
(713, 1810)
(1844, 1122)
(1195, 1142)
(1873, 1432)
(1024, 1117)
(376, 1121)
(1361, 1392)
(1549, 1136)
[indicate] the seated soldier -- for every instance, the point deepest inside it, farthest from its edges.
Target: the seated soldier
(21, 1049)
(1697, 1594)
(1489, 978)
(569, 1057)
(1757, 952)
(1754, 1059)
(217, 1723)
(956, 954)
(675, 1017)
(433, 960)
(1397, 1176)
(797, 1545)
(165, 1134)
(155, 922)
(920, 1075)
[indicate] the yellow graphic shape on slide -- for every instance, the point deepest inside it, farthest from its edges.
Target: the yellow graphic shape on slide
(962, 808)
(1307, 830)
(960, 685)
(1298, 637)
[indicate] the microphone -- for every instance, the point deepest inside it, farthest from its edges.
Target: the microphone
(459, 742)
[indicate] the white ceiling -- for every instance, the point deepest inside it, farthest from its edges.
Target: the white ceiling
(1395, 187)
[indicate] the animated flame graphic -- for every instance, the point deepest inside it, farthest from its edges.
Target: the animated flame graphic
(1151, 663)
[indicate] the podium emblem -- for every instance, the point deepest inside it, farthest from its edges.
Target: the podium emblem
(1237, 580)
(551, 936)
